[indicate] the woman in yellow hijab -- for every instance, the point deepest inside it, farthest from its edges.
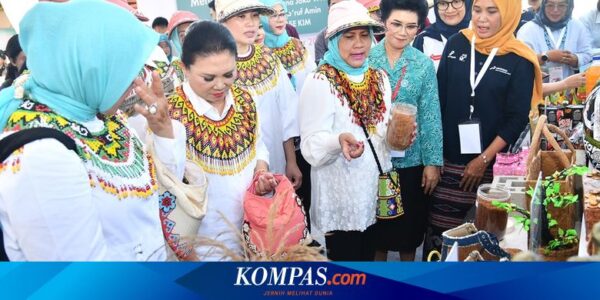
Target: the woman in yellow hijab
(488, 81)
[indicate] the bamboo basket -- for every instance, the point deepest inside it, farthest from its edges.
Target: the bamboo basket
(549, 162)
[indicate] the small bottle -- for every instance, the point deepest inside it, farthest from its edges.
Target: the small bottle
(593, 73)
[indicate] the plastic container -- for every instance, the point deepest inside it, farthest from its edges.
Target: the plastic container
(401, 128)
(593, 73)
(488, 217)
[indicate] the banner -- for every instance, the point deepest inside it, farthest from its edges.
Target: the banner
(308, 16)
(299, 280)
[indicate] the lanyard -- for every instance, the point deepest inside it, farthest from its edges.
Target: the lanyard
(475, 82)
(560, 37)
(398, 84)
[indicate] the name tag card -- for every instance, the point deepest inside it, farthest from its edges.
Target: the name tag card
(398, 154)
(556, 74)
(470, 138)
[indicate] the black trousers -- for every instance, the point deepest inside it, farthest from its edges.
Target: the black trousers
(3, 256)
(350, 245)
(304, 191)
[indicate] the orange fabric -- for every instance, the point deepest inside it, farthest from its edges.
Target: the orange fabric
(506, 42)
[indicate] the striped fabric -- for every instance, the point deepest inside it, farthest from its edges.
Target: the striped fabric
(449, 205)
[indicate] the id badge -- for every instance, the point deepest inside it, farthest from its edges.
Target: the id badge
(556, 74)
(397, 154)
(470, 137)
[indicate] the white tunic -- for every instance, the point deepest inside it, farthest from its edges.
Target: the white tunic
(343, 193)
(51, 210)
(591, 21)
(578, 41)
(300, 75)
(223, 219)
(278, 112)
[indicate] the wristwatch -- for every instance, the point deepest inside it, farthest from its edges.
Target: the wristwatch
(545, 57)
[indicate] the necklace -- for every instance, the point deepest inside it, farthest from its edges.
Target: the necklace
(223, 147)
(365, 99)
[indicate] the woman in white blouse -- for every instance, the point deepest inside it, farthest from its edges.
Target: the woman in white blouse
(222, 124)
(591, 20)
(562, 43)
(340, 95)
(290, 51)
(100, 202)
(261, 73)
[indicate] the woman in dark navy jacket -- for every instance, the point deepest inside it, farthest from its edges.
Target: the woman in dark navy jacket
(488, 81)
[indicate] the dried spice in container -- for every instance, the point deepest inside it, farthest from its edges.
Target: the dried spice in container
(489, 217)
(401, 127)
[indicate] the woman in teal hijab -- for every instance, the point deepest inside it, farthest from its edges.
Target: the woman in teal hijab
(86, 75)
(165, 44)
(99, 202)
(342, 102)
(276, 36)
(290, 51)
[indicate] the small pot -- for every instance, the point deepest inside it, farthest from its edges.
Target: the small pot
(561, 254)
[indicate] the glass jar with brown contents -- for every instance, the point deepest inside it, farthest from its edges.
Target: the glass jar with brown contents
(489, 217)
(401, 127)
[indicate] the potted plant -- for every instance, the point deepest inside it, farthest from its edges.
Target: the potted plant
(559, 238)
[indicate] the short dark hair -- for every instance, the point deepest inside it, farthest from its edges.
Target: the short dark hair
(13, 48)
(204, 38)
(419, 7)
(160, 21)
(211, 4)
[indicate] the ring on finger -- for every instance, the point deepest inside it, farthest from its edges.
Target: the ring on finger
(153, 108)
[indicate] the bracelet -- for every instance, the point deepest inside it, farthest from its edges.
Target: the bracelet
(484, 157)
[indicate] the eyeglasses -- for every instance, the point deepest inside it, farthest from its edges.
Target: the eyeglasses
(282, 15)
(410, 28)
(559, 6)
(456, 4)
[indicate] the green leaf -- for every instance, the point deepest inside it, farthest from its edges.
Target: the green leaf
(524, 222)
(553, 244)
(561, 232)
(570, 199)
(508, 207)
(558, 202)
(577, 170)
(571, 232)
(552, 223)
(556, 187)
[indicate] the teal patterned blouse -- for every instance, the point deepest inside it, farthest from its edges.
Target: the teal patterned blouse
(419, 88)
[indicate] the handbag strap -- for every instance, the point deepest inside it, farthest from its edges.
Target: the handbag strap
(362, 125)
(11, 143)
(19, 139)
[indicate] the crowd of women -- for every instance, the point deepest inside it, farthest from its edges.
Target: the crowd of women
(248, 101)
